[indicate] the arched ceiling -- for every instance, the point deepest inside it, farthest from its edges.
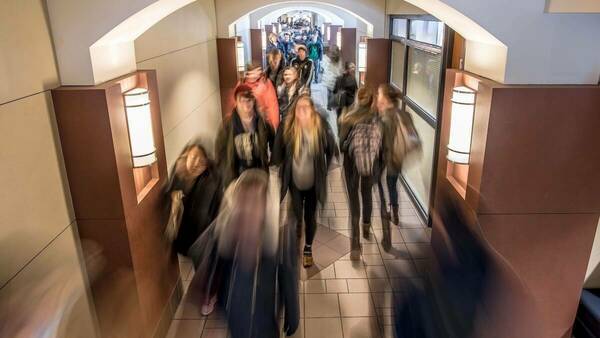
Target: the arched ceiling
(326, 14)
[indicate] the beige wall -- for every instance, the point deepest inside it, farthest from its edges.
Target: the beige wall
(182, 49)
(36, 217)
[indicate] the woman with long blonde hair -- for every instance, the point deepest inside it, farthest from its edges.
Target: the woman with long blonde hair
(304, 147)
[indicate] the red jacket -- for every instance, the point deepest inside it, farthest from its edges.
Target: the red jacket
(266, 100)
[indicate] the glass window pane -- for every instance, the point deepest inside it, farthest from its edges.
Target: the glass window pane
(431, 32)
(398, 57)
(423, 81)
(418, 174)
(399, 27)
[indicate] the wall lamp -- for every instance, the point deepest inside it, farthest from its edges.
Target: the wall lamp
(362, 56)
(339, 39)
(264, 39)
(139, 123)
(241, 61)
(328, 33)
(461, 124)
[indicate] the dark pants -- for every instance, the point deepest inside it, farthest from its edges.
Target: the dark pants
(353, 182)
(317, 70)
(306, 200)
(392, 181)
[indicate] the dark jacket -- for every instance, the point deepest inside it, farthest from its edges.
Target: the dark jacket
(283, 157)
(346, 87)
(305, 71)
(276, 75)
(228, 162)
(285, 100)
(200, 207)
(319, 50)
(287, 48)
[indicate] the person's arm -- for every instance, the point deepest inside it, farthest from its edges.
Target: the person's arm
(278, 149)
(272, 104)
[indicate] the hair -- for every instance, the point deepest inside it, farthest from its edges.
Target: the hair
(293, 133)
(273, 53)
(365, 96)
(272, 35)
(391, 93)
(253, 66)
(349, 65)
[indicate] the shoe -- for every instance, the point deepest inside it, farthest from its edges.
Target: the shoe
(355, 252)
(307, 259)
(395, 216)
(208, 307)
(366, 231)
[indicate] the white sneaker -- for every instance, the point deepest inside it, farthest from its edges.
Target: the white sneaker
(208, 307)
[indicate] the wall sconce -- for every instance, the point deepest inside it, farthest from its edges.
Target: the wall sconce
(139, 123)
(264, 40)
(362, 56)
(461, 124)
(274, 28)
(328, 33)
(339, 39)
(241, 61)
(322, 28)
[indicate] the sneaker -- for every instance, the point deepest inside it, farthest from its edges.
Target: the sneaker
(355, 252)
(208, 307)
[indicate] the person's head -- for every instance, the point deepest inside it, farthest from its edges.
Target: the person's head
(302, 52)
(303, 119)
(290, 75)
(286, 37)
(253, 72)
(334, 54)
(365, 96)
(274, 58)
(244, 101)
(387, 97)
(196, 160)
(273, 38)
(350, 67)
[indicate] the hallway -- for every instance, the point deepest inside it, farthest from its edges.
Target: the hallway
(344, 299)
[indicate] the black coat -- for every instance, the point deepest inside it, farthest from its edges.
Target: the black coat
(305, 71)
(276, 75)
(200, 207)
(283, 156)
(346, 87)
(229, 164)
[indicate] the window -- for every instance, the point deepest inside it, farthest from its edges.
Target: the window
(399, 27)
(423, 79)
(398, 63)
(431, 32)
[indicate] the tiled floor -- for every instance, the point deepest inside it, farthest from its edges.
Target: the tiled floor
(339, 298)
(350, 299)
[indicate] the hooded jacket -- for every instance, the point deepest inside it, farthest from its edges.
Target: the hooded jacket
(266, 99)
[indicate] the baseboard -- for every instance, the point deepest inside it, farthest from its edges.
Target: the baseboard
(169, 311)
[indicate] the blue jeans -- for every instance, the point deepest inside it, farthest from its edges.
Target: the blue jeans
(392, 181)
(317, 69)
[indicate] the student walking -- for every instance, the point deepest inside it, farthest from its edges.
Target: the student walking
(304, 147)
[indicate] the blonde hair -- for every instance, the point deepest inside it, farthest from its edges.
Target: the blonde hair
(293, 133)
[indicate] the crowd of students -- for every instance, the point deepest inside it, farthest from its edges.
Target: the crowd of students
(224, 212)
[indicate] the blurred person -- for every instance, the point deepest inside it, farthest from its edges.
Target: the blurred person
(244, 139)
(256, 258)
(305, 67)
(471, 290)
(303, 149)
(264, 93)
(315, 53)
(332, 69)
(272, 43)
(288, 91)
(275, 67)
(345, 88)
(361, 137)
(195, 194)
(287, 47)
(402, 141)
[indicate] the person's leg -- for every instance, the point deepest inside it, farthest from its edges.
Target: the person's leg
(352, 181)
(392, 185)
(310, 211)
(366, 189)
(297, 206)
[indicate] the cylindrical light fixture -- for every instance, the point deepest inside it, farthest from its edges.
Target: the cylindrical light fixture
(328, 33)
(362, 56)
(139, 123)
(339, 39)
(264, 40)
(322, 28)
(461, 124)
(241, 60)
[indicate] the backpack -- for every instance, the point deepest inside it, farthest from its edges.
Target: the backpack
(314, 52)
(406, 139)
(365, 144)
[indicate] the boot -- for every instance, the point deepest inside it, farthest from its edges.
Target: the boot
(307, 258)
(355, 250)
(366, 231)
(395, 216)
